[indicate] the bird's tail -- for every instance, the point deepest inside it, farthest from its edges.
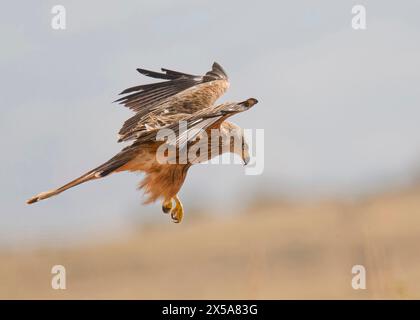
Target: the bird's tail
(114, 164)
(44, 195)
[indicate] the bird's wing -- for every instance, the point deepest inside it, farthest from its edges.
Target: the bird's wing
(202, 120)
(210, 117)
(157, 105)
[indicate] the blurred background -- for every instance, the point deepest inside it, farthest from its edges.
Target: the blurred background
(341, 180)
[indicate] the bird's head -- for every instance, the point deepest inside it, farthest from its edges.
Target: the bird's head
(236, 140)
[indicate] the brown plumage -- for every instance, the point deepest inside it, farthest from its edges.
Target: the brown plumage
(162, 105)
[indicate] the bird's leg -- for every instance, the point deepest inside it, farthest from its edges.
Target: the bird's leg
(178, 212)
(167, 205)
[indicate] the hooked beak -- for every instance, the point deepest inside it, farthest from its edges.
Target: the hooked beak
(246, 158)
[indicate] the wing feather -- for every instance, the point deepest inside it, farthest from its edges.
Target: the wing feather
(159, 104)
(201, 121)
(167, 74)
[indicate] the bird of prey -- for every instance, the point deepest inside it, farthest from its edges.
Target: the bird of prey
(181, 97)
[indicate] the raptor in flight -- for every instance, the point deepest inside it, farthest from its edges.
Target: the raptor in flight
(180, 98)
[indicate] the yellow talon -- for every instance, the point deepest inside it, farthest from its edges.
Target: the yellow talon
(177, 213)
(167, 205)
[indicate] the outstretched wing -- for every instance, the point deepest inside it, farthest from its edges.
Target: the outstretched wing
(202, 120)
(207, 118)
(158, 105)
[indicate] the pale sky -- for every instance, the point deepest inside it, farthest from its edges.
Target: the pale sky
(340, 107)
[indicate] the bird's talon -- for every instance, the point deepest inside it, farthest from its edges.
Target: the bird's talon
(177, 213)
(167, 206)
(175, 218)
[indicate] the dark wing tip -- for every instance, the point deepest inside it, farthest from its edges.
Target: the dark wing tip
(154, 74)
(248, 103)
(216, 73)
(176, 74)
(219, 69)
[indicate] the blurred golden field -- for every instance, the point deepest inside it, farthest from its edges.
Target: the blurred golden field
(273, 250)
